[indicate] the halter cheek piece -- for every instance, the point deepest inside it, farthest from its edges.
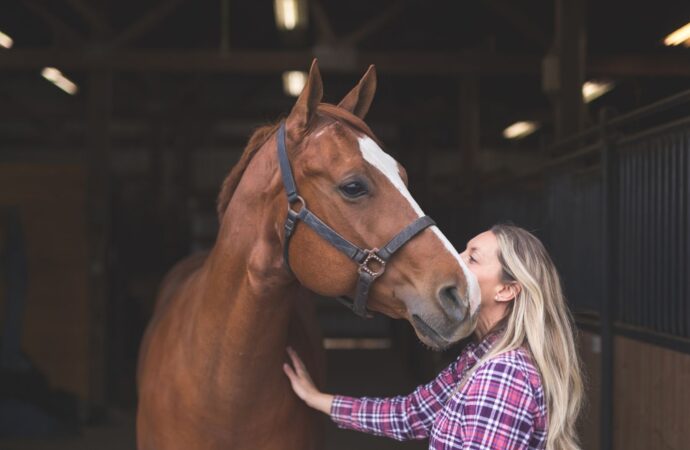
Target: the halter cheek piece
(372, 262)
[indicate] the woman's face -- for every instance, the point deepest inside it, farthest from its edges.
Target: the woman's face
(481, 256)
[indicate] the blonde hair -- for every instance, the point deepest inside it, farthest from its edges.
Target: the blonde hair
(539, 318)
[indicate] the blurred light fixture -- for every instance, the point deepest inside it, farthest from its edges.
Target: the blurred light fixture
(519, 130)
(293, 82)
(680, 36)
(592, 90)
(58, 79)
(5, 40)
(290, 14)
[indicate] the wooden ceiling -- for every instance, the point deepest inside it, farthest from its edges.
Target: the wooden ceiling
(158, 51)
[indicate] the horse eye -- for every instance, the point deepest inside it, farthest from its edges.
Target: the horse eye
(353, 189)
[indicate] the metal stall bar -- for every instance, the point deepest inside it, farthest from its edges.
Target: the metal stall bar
(609, 225)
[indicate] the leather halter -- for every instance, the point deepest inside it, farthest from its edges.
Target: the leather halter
(372, 262)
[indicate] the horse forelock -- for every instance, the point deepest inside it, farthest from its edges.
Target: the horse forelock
(262, 134)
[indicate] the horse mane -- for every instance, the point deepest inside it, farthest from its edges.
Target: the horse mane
(256, 141)
(261, 136)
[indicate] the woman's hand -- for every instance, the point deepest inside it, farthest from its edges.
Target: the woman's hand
(303, 385)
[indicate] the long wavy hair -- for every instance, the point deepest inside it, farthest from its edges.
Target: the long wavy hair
(540, 319)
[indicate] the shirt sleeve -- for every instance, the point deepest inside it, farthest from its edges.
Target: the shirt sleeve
(498, 410)
(400, 418)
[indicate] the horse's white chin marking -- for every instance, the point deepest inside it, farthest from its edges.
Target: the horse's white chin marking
(375, 156)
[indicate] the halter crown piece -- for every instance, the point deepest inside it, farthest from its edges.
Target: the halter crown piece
(372, 262)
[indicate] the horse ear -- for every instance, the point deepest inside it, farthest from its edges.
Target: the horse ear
(360, 97)
(308, 100)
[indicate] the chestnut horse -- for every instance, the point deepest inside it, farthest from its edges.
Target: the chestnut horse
(209, 374)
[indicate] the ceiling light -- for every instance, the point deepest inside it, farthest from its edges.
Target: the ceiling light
(592, 90)
(5, 40)
(293, 82)
(519, 130)
(290, 14)
(58, 79)
(680, 36)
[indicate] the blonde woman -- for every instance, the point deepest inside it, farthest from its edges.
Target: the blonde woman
(517, 386)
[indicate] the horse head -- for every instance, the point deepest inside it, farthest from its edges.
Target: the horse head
(360, 192)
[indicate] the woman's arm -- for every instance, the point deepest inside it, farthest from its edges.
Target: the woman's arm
(401, 418)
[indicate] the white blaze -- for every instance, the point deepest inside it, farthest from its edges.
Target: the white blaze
(388, 166)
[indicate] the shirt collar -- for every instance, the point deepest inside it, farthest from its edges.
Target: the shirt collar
(478, 348)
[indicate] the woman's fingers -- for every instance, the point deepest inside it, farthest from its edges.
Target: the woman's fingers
(303, 385)
(297, 362)
(288, 371)
(294, 357)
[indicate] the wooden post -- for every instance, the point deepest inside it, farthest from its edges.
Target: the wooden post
(97, 158)
(564, 68)
(469, 126)
(469, 130)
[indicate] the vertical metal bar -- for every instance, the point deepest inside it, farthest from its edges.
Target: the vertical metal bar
(680, 267)
(640, 222)
(623, 313)
(668, 234)
(632, 251)
(649, 228)
(609, 288)
(657, 298)
(647, 236)
(686, 229)
(671, 243)
(681, 235)
(678, 231)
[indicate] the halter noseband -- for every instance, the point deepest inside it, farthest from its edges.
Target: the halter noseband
(372, 262)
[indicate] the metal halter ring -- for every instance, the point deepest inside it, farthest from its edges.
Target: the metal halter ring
(296, 200)
(372, 256)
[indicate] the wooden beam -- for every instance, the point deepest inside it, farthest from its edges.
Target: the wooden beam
(322, 22)
(520, 21)
(265, 62)
(60, 29)
(273, 62)
(374, 24)
(92, 16)
(643, 65)
(146, 22)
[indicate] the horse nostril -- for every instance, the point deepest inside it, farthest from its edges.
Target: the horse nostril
(452, 303)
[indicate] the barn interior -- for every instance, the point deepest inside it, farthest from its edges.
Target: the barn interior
(120, 120)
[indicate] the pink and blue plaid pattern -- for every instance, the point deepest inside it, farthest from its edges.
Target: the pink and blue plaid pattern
(502, 406)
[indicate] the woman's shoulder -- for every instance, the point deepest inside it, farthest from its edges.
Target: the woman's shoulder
(514, 366)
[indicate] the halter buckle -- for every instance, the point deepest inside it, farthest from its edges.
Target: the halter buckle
(379, 264)
(297, 199)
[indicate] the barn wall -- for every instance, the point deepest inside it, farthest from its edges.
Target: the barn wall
(652, 397)
(51, 200)
(590, 352)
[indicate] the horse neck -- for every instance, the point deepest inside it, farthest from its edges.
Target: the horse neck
(248, 293)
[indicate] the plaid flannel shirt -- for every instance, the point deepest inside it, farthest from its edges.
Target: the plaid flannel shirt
(501, 406)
